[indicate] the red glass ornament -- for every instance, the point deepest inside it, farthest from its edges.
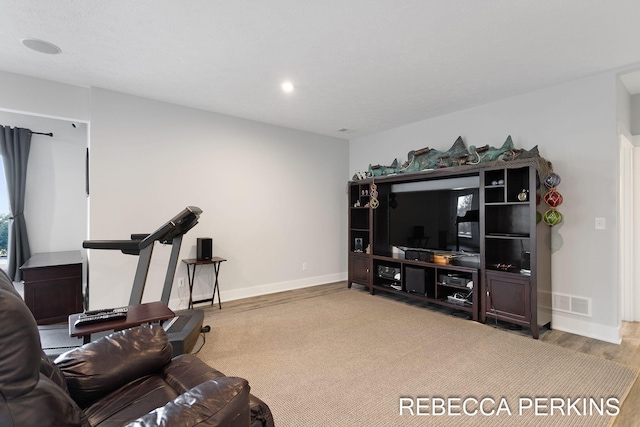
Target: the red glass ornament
(553, 198)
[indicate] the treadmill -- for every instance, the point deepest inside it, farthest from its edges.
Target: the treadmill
(184, 329)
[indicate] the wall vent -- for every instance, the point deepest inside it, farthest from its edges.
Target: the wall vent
(572, 304)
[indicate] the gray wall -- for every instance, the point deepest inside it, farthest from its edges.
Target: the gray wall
(273, 198)
(574, 126)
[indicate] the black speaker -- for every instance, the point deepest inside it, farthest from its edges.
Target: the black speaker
(205, 248)
(415, 280)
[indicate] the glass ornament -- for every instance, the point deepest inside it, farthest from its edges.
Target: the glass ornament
(553, 198)
(523, 195)
(552, 180)
(552, 217)
(373, 196)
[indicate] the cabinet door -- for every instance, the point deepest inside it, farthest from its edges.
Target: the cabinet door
(53, 293)
(508, 297)
(359, 271)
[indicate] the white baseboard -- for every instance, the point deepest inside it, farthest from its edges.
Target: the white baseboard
(254, 291)
(568, 323)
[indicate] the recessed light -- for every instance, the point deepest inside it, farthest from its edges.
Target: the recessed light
(287, 87)
(41, 46)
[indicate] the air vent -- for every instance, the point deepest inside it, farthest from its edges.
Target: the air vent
(562, 302)
(572, 304)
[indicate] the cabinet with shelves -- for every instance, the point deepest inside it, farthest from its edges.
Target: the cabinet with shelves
(360, 220)
(412, 243)
(516, 258)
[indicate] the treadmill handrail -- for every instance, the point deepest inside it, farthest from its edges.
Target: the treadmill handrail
(129, 247)
(111, 244)
(176, 226)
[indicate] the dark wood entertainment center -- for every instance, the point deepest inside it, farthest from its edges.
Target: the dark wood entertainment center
(509, 268)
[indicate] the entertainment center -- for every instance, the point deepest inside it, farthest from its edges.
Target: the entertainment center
(465, 237)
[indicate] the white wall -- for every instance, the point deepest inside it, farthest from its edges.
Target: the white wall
(272, 197)
(574, 125)
(40, 97)
(56, 203)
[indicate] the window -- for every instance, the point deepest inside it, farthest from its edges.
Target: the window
(464, 205)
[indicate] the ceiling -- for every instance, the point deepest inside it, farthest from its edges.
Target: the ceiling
(360, 65)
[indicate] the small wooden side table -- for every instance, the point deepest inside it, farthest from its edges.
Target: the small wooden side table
(136, 316)
(191, 274)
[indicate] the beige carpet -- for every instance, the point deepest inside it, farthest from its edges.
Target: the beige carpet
(348, 358)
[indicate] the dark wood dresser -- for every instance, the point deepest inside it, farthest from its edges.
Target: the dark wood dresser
(53, 285)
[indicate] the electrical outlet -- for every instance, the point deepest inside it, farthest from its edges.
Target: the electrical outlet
(181, 282)
(304, 266)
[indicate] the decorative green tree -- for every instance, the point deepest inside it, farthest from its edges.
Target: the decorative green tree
(4, 233)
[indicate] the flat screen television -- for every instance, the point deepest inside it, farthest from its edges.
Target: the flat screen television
(438, 214)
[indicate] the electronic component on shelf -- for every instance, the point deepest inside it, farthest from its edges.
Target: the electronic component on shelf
(460, 298)
(419, 255)
(453, 279)
(389, 272)
(97, 318)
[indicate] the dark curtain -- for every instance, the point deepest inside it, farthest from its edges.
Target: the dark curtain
(14, 147)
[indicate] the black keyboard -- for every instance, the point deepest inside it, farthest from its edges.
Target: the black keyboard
(97, 318)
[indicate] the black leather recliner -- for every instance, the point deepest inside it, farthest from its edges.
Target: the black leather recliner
(126, 378)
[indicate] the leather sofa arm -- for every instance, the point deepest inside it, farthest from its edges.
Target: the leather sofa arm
(187, 371)
(101, 366)
(223, 402)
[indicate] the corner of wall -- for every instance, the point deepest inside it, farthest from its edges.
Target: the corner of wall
(570, 324)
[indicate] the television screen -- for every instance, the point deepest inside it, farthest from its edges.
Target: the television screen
(435, 218)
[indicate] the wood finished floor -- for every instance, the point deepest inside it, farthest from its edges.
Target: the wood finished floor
(627, 353)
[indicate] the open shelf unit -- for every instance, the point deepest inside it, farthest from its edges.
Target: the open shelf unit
(360, 219)
(441, 284)
(517, 255)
